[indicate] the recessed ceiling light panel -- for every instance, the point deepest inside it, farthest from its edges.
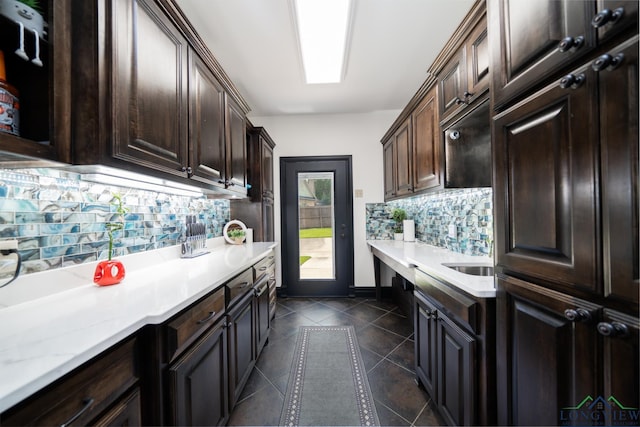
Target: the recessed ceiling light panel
(323, 30)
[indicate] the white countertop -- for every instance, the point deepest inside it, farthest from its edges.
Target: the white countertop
(430, 258)
(71, 319)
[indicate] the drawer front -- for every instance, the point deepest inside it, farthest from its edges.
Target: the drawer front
(261, 267)
(80, 397)
(239, 286)
(457, 305)
(189, 325)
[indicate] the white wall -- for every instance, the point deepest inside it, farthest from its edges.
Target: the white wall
(357, 135)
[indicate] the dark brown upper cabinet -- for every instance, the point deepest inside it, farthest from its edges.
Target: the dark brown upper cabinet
(206, 124)
(535, 40)
(553, 192)
(618, 93)
(102, 99)
(257, 210)
(427, 149)
(398, 178)
(545, 152)
(150, 123)
(465, 77)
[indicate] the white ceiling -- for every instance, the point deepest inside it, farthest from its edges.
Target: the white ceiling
(393, 42)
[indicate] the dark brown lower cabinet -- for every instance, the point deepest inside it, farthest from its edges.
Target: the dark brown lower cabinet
(262, 319)
(445, 362)
(550, 370)
(455, 350)
(242, 355)
(425, 343)
(102, 391)
(125, 413)
(198, 381)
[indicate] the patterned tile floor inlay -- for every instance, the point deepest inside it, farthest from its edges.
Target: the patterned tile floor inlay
(385, 337)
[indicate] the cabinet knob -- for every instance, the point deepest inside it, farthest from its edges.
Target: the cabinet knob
(607, 15)
(572, 81)
(467, 94)
(613, 329)
(569, 43)
(607, 62)
(577, 315)
(187, 169)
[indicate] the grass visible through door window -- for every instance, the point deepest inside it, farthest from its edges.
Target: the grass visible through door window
(304, 258)
(308, 233)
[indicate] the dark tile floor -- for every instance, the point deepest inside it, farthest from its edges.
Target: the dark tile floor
(386, 343)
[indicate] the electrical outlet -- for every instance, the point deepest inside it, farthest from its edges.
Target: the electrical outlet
(453, 231)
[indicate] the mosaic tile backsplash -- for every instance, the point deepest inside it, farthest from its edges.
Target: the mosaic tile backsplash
(470, 211)
(59, 220)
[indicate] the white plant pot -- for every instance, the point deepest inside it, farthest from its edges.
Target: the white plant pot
(398, 236)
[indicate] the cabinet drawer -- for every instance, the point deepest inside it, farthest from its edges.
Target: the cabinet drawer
(239, 285)
(262, 266)
(81, 396)
(458, 305)
(185, 328)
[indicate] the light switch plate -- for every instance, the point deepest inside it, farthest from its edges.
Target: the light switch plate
(453, 231)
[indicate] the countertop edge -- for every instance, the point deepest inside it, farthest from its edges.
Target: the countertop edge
(15, 394)
(429, 259)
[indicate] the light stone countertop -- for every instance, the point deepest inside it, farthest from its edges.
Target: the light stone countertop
(430, 258)
(53, 322)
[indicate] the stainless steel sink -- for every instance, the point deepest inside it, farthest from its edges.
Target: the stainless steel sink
(475, 270)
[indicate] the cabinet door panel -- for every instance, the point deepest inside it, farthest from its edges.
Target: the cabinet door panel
(545, 181)
(426, 143)
(198, 382)
(621, 356)
(456, 388)
(389, 170)
(425, 344)
(526, 38)
(236, 148)
(241, 346)
(402, 159)
(149, 101)
(548, 361)
(478, 60)
(453, 83)
(620, 199)
(206, 124)
(266, 168)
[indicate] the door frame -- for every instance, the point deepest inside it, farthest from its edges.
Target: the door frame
(289, 218)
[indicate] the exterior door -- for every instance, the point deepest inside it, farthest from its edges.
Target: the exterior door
(317, 226)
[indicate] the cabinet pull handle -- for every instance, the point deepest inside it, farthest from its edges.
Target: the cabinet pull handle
(460, 101)
(220, 181)
(577, 315)
(258, 293)
(606, 15)
(572, 81)
(244, 284)
(569, 43)
(613, 329)
(467, 94)
(607, 62)
(263, 268)
(211, 315)
(87, 402)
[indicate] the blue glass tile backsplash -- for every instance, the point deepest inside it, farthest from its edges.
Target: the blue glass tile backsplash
(59, 220)
(468, 211)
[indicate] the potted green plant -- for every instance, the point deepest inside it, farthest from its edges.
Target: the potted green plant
(112, 271)
(398, 215)
(237, 235)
